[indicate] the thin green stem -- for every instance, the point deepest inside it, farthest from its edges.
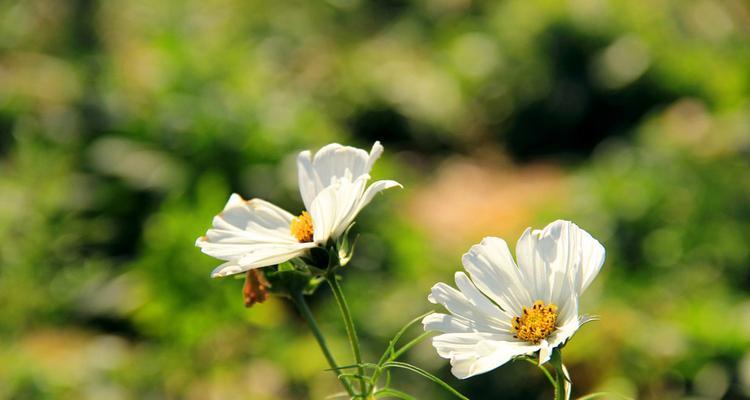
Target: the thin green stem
(351, 332)
(301, 304)
(394, 355)
(429, 376)
(545, 370)
(559, 385)
(603, 394)
(560, 375)
(409, 345)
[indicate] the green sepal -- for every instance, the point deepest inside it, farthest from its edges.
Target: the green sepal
(345, 246)
(312, 285)
(287, 280)
(318, 257)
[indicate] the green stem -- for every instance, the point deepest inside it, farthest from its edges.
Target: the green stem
(559, 385)
(409, 345)
(299, 301)
(429, 376)
(560, 379)
(394, 356)
(544, 370)
(351, 332)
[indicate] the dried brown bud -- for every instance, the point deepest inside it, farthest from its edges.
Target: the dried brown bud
(256, 288)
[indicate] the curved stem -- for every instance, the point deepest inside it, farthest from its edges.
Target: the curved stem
(409, 345)
(560, 375)
(429, 376)
(301, 304)
(559, 385)
(351, 332)
(396, 354)
(544, 370)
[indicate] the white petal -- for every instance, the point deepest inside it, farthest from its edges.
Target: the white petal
(261, 257)
(455, 302)
(347, 170)
(336, 206)
(494, 272)
(323, 212)
(545, 352)
(473, 354)
(362, 201)
(348, 196)
(532, 255)
(568, 383)
(308, 180)
(566, 248)
(243, 225)
(477, 299)
(567, 325)
(447, 323)
(335, 161)
(226, 269)
(591, 259)
(375, 152)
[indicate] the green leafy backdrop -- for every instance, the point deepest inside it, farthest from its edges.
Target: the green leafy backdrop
(125, 125)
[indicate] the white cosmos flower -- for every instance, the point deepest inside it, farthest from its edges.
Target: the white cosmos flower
(502, 310)
(255, 233)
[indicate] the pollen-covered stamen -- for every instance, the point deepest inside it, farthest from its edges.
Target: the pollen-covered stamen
(302, 227)
(536, 323)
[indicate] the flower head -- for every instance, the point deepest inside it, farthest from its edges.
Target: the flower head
(254, 233)
(502, 309)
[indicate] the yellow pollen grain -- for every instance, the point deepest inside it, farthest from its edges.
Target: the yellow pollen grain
(536, 323)
(302, 227)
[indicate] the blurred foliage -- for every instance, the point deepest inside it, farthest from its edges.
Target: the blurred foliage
(124, 126)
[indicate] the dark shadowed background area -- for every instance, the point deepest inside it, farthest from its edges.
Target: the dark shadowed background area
(125, 125)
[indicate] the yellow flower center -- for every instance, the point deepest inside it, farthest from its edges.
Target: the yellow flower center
(302, 227)
(536, 323)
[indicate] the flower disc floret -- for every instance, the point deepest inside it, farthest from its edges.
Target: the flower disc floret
(302, 227)
(536, 323)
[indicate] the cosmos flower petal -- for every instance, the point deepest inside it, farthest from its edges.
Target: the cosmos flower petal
(494, 272)
(568, 249)
(591, 254)
(545, 352)
(244, 226)
(335, 161)
(228, 268)
(493, 313)
(324, 212)
(455, 302)
(474, 354)
(309, 183)
(531, 253)
(333, 185)
(375, 152)
(262, 257)
(335, 207)
(362, 201)
(447, 323)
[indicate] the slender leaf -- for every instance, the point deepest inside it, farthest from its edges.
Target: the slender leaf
(394, 393)
(603, 394)
(409, 345)
(392, 344)
(429, 376)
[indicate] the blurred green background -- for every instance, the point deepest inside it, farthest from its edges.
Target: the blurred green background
(125, 125)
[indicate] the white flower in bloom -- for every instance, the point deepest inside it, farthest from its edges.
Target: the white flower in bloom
(502, 310)
(255, 233)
